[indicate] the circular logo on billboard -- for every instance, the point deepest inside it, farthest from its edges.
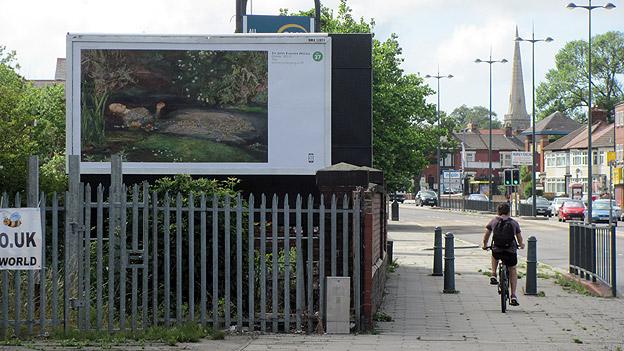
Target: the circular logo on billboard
(317, 56)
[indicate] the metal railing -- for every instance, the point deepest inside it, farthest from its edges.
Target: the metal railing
(592, 254)
(461, 204)
(154, 259)
(525, 209)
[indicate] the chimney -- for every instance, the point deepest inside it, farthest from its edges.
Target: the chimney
(508, 131)
(472, 127)
(599, 115)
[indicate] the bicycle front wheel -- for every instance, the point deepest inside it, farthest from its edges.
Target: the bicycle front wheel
(504, 288)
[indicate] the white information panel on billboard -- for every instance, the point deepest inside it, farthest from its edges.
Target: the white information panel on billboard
(20, 238)
(226, 104)
(521, 158)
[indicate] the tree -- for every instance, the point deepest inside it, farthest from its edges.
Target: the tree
(566, 85)
(32, 122)
(404, 130)
(478, 115)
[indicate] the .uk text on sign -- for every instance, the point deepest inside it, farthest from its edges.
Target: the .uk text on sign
(20, 238)
(521, 158)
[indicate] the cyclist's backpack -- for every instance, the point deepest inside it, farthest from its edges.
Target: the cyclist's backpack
(504, 234)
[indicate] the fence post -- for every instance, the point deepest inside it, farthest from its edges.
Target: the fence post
(531, 275)
(72, 210)
(33, 181)
(449, 265)
(613, 263)
(437, 252)
(395, 210)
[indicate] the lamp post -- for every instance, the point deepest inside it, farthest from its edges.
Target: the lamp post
(590, 156)
(490, 62)
(533, 41)
(438, 77)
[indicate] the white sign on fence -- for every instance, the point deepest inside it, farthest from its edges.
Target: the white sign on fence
(20, 238)
(521, 158)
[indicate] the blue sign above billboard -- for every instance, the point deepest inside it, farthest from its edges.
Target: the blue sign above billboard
(277, 24)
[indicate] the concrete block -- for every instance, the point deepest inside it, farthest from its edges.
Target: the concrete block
(338, 305)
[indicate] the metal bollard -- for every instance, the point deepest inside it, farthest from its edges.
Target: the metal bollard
(437, 252)
(395, 210)
(449, 264)
(389, 249)
(531, 274)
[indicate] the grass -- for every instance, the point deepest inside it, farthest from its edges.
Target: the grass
(541, 294)
(392, 266)
(156, 147)
(185, 333)
(185, 149)
(381, 316)
(571, 285)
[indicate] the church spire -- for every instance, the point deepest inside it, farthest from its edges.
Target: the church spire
(517, 117)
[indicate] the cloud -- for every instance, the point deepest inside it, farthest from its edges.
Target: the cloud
(468, 41)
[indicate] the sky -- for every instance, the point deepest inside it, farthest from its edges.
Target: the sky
(449, 34)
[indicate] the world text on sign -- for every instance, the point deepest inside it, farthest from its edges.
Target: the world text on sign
(20, 238)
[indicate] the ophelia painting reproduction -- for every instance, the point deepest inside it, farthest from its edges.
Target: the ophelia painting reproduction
(174, 105)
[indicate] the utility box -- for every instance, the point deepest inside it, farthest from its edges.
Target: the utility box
(338, 305)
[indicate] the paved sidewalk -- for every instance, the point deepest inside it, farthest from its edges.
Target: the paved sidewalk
(426, 319)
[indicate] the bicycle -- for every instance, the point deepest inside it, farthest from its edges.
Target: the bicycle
(503, 284)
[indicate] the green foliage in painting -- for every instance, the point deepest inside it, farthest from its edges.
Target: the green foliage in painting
(222, 78)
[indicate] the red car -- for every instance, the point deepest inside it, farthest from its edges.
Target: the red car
(572, 209)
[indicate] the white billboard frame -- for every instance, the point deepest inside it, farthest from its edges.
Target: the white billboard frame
(76, 42)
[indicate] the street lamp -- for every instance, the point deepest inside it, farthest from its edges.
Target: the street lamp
(490, 62)
(438, 77)
(533, 41)
(590, 156)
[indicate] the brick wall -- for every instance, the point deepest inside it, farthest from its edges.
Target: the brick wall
(374, 258)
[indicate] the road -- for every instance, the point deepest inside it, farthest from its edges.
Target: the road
(551, 235)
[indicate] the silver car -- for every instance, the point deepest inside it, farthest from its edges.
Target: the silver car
(555, 205)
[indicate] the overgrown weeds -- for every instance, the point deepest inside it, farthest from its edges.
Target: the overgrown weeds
(185, 333)
(392, 266)
(571, 285)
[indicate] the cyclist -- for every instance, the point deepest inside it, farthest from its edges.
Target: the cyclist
(505, 242)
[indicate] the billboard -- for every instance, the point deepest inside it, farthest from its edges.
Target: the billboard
(521, 158)
(277, 24)
(231, 104)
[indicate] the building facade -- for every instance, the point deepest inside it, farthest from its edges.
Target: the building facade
(566, 160)
(472, 158)
(618, 178)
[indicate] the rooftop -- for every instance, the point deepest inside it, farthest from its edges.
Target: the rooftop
(555, 124)
(480, 140)
(602, 136)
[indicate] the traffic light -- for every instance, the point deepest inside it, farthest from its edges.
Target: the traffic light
(515, 177)
(507, 177)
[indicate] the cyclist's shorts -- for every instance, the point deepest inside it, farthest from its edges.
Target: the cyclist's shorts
(508, 258)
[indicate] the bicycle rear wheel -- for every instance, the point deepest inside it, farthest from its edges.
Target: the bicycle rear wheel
(504, 287)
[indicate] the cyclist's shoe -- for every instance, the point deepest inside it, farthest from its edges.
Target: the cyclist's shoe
(514, 301)
(493, 281)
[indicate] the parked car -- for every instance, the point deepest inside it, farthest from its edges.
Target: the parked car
(572, 209)
(477, 197)
(600, 211)
(556, 204)
(426, 197)
(399, 196)
(542, 205)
